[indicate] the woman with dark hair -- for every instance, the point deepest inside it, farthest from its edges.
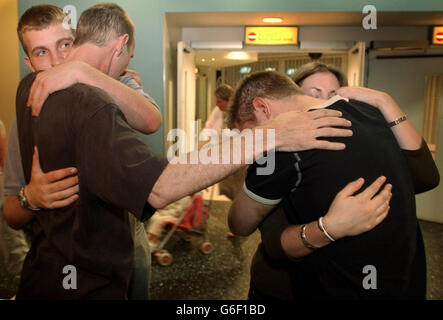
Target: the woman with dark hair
(319, 80)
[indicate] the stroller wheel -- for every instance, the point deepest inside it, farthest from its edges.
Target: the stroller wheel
(206, 247)
(164, 258)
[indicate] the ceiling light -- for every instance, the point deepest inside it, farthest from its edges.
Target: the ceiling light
(237, 55)
(272, 20)
(212, 59)
(203, 60)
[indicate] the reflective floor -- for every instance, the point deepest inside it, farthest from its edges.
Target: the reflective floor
(224, 273)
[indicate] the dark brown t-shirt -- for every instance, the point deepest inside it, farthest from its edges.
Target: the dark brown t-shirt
(83, 128)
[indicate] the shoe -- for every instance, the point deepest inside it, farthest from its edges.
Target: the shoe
(230, 235)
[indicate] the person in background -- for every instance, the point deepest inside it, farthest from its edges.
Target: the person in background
(217, 121)
(217, 118)
(2, 145)
(13, 243)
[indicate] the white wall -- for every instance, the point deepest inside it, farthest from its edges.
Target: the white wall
(404, 80)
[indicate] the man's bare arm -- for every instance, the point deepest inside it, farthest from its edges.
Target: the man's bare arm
(348, 215)
(141, 114)
(246, 214)
(15, 215)
(51, 190)
(294, 131)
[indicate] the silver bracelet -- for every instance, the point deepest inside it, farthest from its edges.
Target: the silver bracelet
(322, 228)
(397, 121)
(304, 239)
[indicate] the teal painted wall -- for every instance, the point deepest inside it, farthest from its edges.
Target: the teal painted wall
(148, 17)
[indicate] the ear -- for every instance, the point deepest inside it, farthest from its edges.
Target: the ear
(121, 44)
(261, 108)
(29, 64)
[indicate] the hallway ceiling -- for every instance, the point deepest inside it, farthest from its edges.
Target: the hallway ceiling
(200, 19)
(238, 19)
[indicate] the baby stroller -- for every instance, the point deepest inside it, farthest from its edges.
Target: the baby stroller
(191, 222)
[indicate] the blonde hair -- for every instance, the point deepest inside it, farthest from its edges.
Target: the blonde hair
(224, 92)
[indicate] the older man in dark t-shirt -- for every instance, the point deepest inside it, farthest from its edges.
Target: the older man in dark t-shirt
(81, 126)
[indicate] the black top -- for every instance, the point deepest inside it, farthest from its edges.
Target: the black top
(83, 128)
(306, 183)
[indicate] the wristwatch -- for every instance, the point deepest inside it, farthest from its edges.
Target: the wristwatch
(24, 202)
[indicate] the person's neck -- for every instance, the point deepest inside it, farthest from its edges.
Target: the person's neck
(305, 102)
(295, 103)
(96, 57)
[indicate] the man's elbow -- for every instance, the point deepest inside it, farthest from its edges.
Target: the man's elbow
(12, 223)
(428, 183)
(157, 123)
(157, 201)
(239, 232)
(237, 229)
(153, 121)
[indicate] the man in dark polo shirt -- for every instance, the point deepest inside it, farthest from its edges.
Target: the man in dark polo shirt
(332, 263)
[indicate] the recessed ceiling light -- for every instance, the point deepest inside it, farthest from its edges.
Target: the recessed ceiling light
(272, 20)
(203, 60)
(213, 59)
(237, 55)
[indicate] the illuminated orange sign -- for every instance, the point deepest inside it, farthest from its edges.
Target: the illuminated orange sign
(271, 35)
(437, 35)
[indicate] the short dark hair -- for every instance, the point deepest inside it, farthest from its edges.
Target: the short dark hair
(38, 18)
(311, 68)
(264, 84)
(102, 23)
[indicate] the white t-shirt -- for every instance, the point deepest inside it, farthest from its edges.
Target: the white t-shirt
(215, 120)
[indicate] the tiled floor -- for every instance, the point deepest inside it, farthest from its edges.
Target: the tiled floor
(433, 236)
(224, 273)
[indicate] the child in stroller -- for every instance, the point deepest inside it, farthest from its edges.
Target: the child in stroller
(185, 218)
